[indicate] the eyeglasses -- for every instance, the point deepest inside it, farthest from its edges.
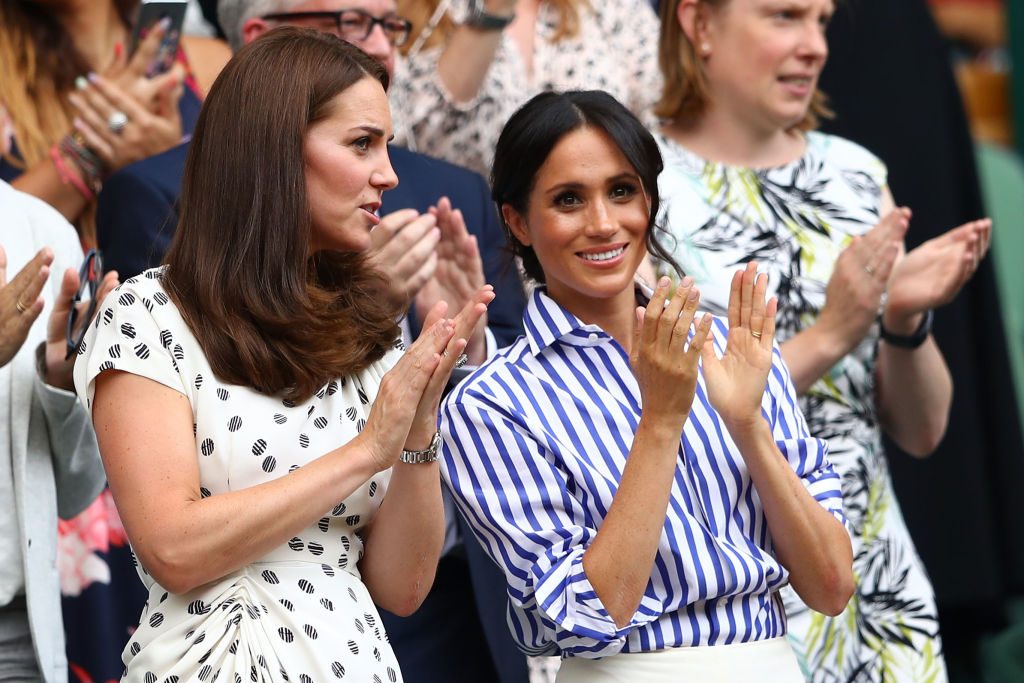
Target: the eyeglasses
(89, 277)
(354, 24)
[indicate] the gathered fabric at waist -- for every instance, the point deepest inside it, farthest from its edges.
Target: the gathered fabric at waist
(765, 661)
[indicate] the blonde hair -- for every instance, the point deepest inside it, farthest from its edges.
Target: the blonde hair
(686, 92)
(419, 12)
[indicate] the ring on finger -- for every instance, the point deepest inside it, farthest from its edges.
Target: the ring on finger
(461, 360)
(756, 335)
(20, 306)
(117, 121)
(869, 270)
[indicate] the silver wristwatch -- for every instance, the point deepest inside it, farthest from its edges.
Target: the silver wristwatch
(428, 454)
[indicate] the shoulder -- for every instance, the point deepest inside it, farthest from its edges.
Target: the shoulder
(846, 155)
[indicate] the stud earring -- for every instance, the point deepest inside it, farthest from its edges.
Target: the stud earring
(705, 48)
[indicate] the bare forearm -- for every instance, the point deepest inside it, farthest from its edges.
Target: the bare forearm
(42, 181)
(811, 353)
(404, 541)
(809, 542)
(204, 539)
(620, 560)
(466, 59)
(914, 393)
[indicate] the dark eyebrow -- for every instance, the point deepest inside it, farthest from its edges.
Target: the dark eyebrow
(372, 130)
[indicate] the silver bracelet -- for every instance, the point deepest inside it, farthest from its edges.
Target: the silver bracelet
(428, 454)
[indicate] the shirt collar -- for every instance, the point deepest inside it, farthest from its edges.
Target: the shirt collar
(546, 322)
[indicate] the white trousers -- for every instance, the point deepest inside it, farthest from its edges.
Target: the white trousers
(764, 661)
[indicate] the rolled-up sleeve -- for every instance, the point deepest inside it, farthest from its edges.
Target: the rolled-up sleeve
(807, 455)
(520, 505)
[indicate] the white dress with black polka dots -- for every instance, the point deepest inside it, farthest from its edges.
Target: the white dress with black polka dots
(301, 613)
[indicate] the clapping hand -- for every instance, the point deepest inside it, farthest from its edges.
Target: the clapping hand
(404, 415)
(130, 75)
(121, 130)
(664, 365)
(60, 368)
(859, 279)
(20, 303)
(458, 276)
(736, 381)
(403, 248)
(933, 273)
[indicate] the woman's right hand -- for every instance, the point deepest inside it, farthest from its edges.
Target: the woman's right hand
(129, 74)
(854, 292)
(20, 303)
(664, 366)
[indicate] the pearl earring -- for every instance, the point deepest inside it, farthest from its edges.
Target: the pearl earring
(705, 48)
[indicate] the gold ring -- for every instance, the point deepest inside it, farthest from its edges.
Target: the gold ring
(757, 335)
(20, 306)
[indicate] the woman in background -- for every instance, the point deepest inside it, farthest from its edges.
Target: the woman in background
(747, 178)
(471, 64)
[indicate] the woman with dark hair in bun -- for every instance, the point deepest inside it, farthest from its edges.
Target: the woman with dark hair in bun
(640, 472)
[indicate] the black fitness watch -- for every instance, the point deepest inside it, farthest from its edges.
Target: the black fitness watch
(480, 18)
(911, 341)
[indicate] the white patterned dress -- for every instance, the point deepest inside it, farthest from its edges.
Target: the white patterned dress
(795, 220)
(299, 614)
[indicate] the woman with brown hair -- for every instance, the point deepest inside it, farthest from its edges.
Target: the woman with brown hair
(271, 451)
(74, 107)
(472, 63)
(748, 178)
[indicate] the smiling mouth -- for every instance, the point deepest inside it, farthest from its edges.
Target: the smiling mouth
(800, 81)
(602, 255)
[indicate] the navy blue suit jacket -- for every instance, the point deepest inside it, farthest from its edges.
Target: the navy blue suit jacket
(138, 213)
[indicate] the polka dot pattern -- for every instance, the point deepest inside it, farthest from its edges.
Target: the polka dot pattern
(293, 615)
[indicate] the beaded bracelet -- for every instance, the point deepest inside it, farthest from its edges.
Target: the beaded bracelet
(69, 176)
(74, 149)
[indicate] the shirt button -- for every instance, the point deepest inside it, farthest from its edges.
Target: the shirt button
(593, 337)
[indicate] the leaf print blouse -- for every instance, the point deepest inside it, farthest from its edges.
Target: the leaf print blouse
(795, 220)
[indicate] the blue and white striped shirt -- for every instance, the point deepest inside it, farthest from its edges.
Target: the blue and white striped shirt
(535, 442)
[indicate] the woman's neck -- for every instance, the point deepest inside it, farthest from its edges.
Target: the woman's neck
(733, 139)
(94, 27)
(615, 315)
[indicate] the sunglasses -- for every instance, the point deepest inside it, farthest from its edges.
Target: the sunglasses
(89, 277)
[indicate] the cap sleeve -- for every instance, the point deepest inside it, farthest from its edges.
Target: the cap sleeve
(128, 334)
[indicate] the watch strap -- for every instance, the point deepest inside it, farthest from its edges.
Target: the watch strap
(484, 20)
(428, 454)
(910, 341)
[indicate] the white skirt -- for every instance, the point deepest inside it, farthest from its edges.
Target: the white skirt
(765, 661)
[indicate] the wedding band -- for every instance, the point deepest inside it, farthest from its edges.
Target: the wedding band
(461, 360)
(757, 335)
(20, 306)
(869, 270)
(117, 122)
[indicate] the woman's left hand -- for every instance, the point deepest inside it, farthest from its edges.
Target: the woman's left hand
(59, 370)
(459, 274)
(931, 275)
(736, 382)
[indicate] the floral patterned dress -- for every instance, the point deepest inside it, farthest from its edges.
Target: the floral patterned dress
(795, 220)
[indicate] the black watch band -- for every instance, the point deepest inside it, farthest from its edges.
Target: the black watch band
(485, 21)
(912, 341)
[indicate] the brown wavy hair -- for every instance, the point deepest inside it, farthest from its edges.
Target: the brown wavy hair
(686, 93)
(267, 313)
(38, 67)
(420, 11)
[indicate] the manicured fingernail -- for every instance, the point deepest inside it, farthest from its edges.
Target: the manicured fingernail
(92, 77)
(687, 281)
(663, 282)
(118, 50)
(694, 293)
(164, 24)
(81, 83)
